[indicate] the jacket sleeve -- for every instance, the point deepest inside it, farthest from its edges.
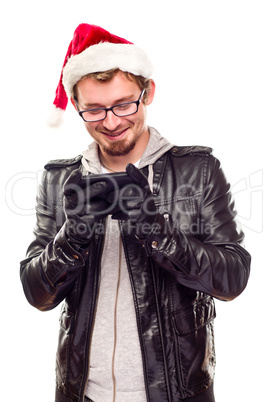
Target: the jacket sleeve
(52, 265)
(215, 262)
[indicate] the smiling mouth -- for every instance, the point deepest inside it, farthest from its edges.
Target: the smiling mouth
(115, 135)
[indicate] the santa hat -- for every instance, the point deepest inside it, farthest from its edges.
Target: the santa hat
(93, 49)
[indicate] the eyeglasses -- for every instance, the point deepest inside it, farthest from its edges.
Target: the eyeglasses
(121, 110)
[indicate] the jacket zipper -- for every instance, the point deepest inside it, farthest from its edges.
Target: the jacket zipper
(94, 304)
(136, 309)
(115, 317)
(150, 180)
(161, 333)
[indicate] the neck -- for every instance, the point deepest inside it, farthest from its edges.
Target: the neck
(115, 163)
(106, 167)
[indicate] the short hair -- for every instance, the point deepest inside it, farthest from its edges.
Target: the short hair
(142, 82)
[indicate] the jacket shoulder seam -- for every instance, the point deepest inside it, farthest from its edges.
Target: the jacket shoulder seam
(191, 150)
(62, 163)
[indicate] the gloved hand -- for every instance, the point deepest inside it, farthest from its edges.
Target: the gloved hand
(137, 204)
(84, 205)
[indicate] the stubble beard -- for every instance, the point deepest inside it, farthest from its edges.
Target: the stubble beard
(120, 148)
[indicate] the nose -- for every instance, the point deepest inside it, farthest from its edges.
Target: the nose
(111, 121)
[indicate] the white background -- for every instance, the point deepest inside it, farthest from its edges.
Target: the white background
(211, 69)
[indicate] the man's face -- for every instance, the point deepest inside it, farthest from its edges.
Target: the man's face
(116, 136)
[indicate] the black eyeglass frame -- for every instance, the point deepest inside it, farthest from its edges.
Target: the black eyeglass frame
(109, 109)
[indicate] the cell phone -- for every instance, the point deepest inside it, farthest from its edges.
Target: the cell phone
(115, 184)
(114, 181)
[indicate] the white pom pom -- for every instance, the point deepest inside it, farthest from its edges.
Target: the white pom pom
(55, 118)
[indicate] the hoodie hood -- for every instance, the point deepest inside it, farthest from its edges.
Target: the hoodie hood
(156, 147)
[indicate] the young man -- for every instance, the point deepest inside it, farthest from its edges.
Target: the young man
(135, 266)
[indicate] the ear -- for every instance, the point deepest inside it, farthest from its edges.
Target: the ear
(150, 96)
(73, 103)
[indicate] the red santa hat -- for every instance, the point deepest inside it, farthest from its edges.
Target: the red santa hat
(93, 49)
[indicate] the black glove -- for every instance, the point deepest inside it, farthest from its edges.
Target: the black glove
(84, 205)
(137, 204)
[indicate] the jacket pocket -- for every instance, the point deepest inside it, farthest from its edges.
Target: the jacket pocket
(195, 349)
(62, 358)
(183, 211)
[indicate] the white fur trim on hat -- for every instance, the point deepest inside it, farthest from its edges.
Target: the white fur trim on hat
(55, 117)
(102, 57)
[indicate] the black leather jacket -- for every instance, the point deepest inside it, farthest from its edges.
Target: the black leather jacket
(174, 276)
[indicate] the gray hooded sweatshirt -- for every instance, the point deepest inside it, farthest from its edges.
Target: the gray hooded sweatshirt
(116, 370)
